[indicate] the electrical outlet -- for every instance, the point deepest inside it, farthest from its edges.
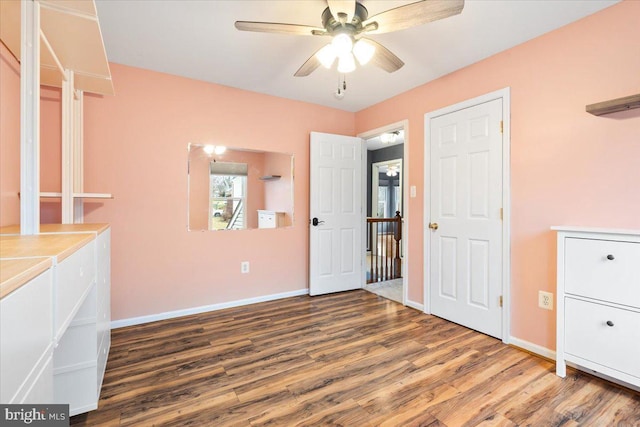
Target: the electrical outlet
(244, 267)
(545, 300)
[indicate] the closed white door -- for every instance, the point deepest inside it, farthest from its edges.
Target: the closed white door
(464, 226)
(336, 218)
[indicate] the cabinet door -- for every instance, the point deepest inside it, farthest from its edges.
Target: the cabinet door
(603, 269)
(602, 334)
(26, 340)
(75, 275)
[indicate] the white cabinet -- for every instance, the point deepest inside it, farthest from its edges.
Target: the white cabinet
(26, 345)
(75, 275)
(270, 219)
(81, 356)
(598, 313)
(55, 329)
(103, 316)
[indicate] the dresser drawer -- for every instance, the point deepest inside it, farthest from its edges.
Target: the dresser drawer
(76, 273)
(588, 271)
(588, 336)
(266, 220)
(25, 338)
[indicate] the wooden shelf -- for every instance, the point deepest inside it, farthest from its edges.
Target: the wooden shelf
(270, 177)
(78, 195)
(614, 105)
(70, 38)
(92, 196)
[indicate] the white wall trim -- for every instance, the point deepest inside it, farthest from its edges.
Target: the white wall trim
(403, 124)
(416, 305)
(505, 95)
(550, 354)
(203, 309)
(533, 348)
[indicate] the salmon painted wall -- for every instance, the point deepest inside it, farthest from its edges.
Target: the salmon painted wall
(567, 167)
(136, 149)
(50, 153)
(9, 138)
(199, 168)
(278, 193)
(198, 188)
(50, 137)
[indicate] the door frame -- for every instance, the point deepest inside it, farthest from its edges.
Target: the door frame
(404, 125)
(505, 95)
(376, 179)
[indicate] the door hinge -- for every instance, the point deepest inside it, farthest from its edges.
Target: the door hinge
(501, 214)
(501, 126)
(500, 299)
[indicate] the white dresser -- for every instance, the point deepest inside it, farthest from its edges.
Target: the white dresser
(270, 219)
(598, 323)
(55, 314)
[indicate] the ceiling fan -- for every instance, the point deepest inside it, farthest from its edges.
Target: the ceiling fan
(347, 22)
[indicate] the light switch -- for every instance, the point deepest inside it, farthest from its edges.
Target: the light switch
(413, 191)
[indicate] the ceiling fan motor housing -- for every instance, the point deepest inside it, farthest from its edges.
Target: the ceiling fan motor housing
(352, 28)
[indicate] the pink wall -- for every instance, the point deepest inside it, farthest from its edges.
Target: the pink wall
(50, 137)
(277, 193)
(199, 168)
(567, 166)
(136, 149)
(198, 188)
(50, 153)
(9, 138)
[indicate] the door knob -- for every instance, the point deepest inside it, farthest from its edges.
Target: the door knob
(433, 225)
(315, 222)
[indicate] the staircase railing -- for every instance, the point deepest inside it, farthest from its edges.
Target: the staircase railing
(384, 249)
(237, 219)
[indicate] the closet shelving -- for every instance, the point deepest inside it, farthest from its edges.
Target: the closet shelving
(58, 43)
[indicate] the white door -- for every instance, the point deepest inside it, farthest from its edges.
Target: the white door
(466, 201)
(335, 192)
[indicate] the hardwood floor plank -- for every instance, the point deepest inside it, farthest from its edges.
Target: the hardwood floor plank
(351, 359)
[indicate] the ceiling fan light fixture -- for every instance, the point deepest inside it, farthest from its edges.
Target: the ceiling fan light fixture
(327, 55)
(388, 138)
(220, 149)
(363, 50)
(342, 43)
(346, 63)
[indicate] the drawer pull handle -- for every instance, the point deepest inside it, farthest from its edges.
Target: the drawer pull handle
(610, 257)
(609, 323)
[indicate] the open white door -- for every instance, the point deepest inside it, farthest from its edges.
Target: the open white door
(336, 224)
(465, 227)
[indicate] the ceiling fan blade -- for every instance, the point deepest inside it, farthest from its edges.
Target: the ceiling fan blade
(384, 58)
(348, 7)
(309, 66)
(275, 27)
(414, 14)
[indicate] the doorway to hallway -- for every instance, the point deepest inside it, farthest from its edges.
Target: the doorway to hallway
(385, 200)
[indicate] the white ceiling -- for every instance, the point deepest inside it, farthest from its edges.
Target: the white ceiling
(197, 39)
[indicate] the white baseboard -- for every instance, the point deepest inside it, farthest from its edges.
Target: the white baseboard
(415, 305)
(533, 348)
(203, 309)
(550, 354)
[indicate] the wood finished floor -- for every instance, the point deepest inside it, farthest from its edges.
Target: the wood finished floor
(348, 359)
